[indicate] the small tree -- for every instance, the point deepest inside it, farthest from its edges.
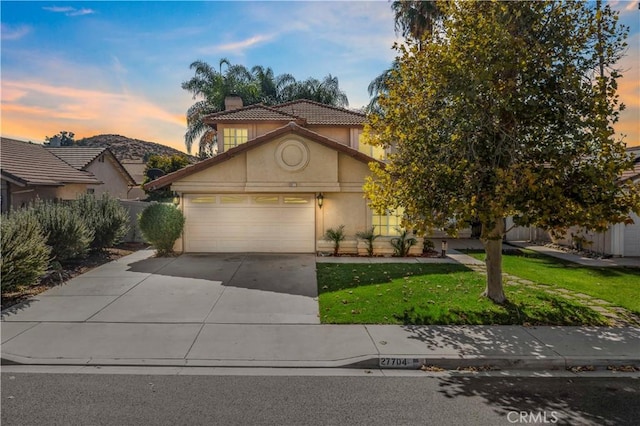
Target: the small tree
(106, 217)
(369, 236)
(336, 236)
(161, 225)
(25, 255)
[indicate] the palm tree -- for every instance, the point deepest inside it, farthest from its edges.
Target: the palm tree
(326, 91)
(415, 20)
(380, 86)
(208, 84)
(258, 85)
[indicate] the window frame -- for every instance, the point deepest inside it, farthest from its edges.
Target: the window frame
(234, 136)
(392, 222)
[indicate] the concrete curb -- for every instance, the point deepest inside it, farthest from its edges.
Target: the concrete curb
(361, 362)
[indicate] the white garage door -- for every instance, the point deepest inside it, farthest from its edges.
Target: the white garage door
(632, 237)
(278, 223)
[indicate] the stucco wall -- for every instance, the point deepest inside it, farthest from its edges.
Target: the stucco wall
(228, 176)
(264, 163)
(113, 182)
(338, 134)
(344, 135)
(22, 196)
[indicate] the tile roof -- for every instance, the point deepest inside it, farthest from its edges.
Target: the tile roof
(78, 157)
(226, 155)
(320, 114)
(251, 113)
(31, 164)
(301, 111)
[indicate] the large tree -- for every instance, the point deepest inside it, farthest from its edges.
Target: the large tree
(506, 111)
(210, 86)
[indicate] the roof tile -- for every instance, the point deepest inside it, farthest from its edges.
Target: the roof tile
(320, 114)
(77, 157)
(302, 111)
(32, 164)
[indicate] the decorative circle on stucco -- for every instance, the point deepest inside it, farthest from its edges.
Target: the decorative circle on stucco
(292, 155)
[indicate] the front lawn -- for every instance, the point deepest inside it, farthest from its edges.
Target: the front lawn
(392, 293)
(620, 286)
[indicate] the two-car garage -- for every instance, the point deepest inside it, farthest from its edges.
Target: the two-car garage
(263, 223)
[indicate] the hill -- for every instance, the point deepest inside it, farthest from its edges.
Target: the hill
(125, 148)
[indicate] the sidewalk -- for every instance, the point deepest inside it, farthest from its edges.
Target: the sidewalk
(584, 261)
(292, 345)
(182, 341)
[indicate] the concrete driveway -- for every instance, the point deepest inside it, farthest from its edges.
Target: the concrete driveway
(211, 288)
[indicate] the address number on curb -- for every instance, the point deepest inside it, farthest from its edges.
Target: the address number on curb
(400, 363)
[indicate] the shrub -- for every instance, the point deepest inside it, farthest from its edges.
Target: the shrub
(68, 235)
(336, 236)
(427, 245)
(369, 236)
(25, 255)
(161, 225)
(402, 243)
(108, 220)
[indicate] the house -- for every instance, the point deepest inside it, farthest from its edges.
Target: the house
(101, 163)
(136, 169)
(619, 240)
(29, 171)
(283, 176)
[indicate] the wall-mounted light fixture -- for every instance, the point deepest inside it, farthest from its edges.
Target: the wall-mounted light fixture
(320, 199)
(176, 199)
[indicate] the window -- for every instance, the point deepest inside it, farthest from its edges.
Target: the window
(233, 199)
(203, 200)
(376, 152)
(91, 191)
(234, 137)
(296, 200)
(266, 199)
(387, 224)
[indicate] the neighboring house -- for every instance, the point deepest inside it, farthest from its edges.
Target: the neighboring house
(101, 163)
(282, 177)
(30, 171)
(618, 240)
(136, 168)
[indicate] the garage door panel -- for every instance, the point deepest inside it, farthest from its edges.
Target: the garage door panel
(632, 237)
(216, 226)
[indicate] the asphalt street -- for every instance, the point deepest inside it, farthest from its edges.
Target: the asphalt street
(358, 397)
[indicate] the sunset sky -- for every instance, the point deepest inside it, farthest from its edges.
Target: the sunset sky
(116, 67)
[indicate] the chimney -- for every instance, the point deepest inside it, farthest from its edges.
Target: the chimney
(232, 102)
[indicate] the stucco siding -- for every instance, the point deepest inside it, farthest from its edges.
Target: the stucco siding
(351, 172)
(230, 175)
(338, 134)
(113, 182)
(268, 163)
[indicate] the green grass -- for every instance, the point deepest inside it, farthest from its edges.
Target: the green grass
(394, 293)
(620, 286)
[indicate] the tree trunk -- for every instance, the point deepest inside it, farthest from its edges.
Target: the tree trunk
(492, 241)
